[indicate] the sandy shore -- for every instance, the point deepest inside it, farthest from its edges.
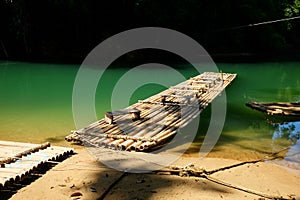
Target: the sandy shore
(83, 174)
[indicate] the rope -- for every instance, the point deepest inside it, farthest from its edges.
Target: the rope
(258, 24)
(191, 170)
(244, 189)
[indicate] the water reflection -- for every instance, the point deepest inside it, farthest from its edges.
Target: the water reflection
(289, 131)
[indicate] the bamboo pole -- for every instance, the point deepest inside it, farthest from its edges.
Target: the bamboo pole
(156, 139)
(116, 143)
(152, 122)
(133, 130)
(134, 146)
(128, 134)
(25, 152)
(26, 165)
(128, 129)
(126, 144)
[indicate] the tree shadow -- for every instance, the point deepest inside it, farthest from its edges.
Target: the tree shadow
(150, 185)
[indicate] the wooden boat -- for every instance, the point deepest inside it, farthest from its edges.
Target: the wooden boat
(277, 108)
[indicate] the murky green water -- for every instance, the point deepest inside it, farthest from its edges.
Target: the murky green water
(36, 105)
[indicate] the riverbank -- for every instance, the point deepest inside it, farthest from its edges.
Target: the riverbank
(83, 174)
(155, 56)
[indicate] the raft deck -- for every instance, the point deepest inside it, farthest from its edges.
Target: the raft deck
(150, 122)
(17, 160)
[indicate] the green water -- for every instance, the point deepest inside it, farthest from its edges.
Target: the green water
(36, 104)
(252, 134)
(35, 101)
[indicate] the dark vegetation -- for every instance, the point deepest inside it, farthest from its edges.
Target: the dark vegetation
(67, 30)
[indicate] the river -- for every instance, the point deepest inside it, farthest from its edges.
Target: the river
(36, 106)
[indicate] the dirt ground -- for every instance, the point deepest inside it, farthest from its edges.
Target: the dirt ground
(82, 177)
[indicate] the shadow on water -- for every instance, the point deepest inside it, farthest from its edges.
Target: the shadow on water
(56, 139)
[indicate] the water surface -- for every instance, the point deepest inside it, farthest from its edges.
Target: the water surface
(36, 106)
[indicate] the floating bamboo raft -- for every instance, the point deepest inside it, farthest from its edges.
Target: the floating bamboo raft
(277, 108)
(18, 159)
(150, 122)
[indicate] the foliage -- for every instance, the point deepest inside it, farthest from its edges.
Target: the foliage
(59, 30)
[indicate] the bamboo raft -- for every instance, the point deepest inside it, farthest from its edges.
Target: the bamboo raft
(150, 122)
(18, 159)
(277, 108)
